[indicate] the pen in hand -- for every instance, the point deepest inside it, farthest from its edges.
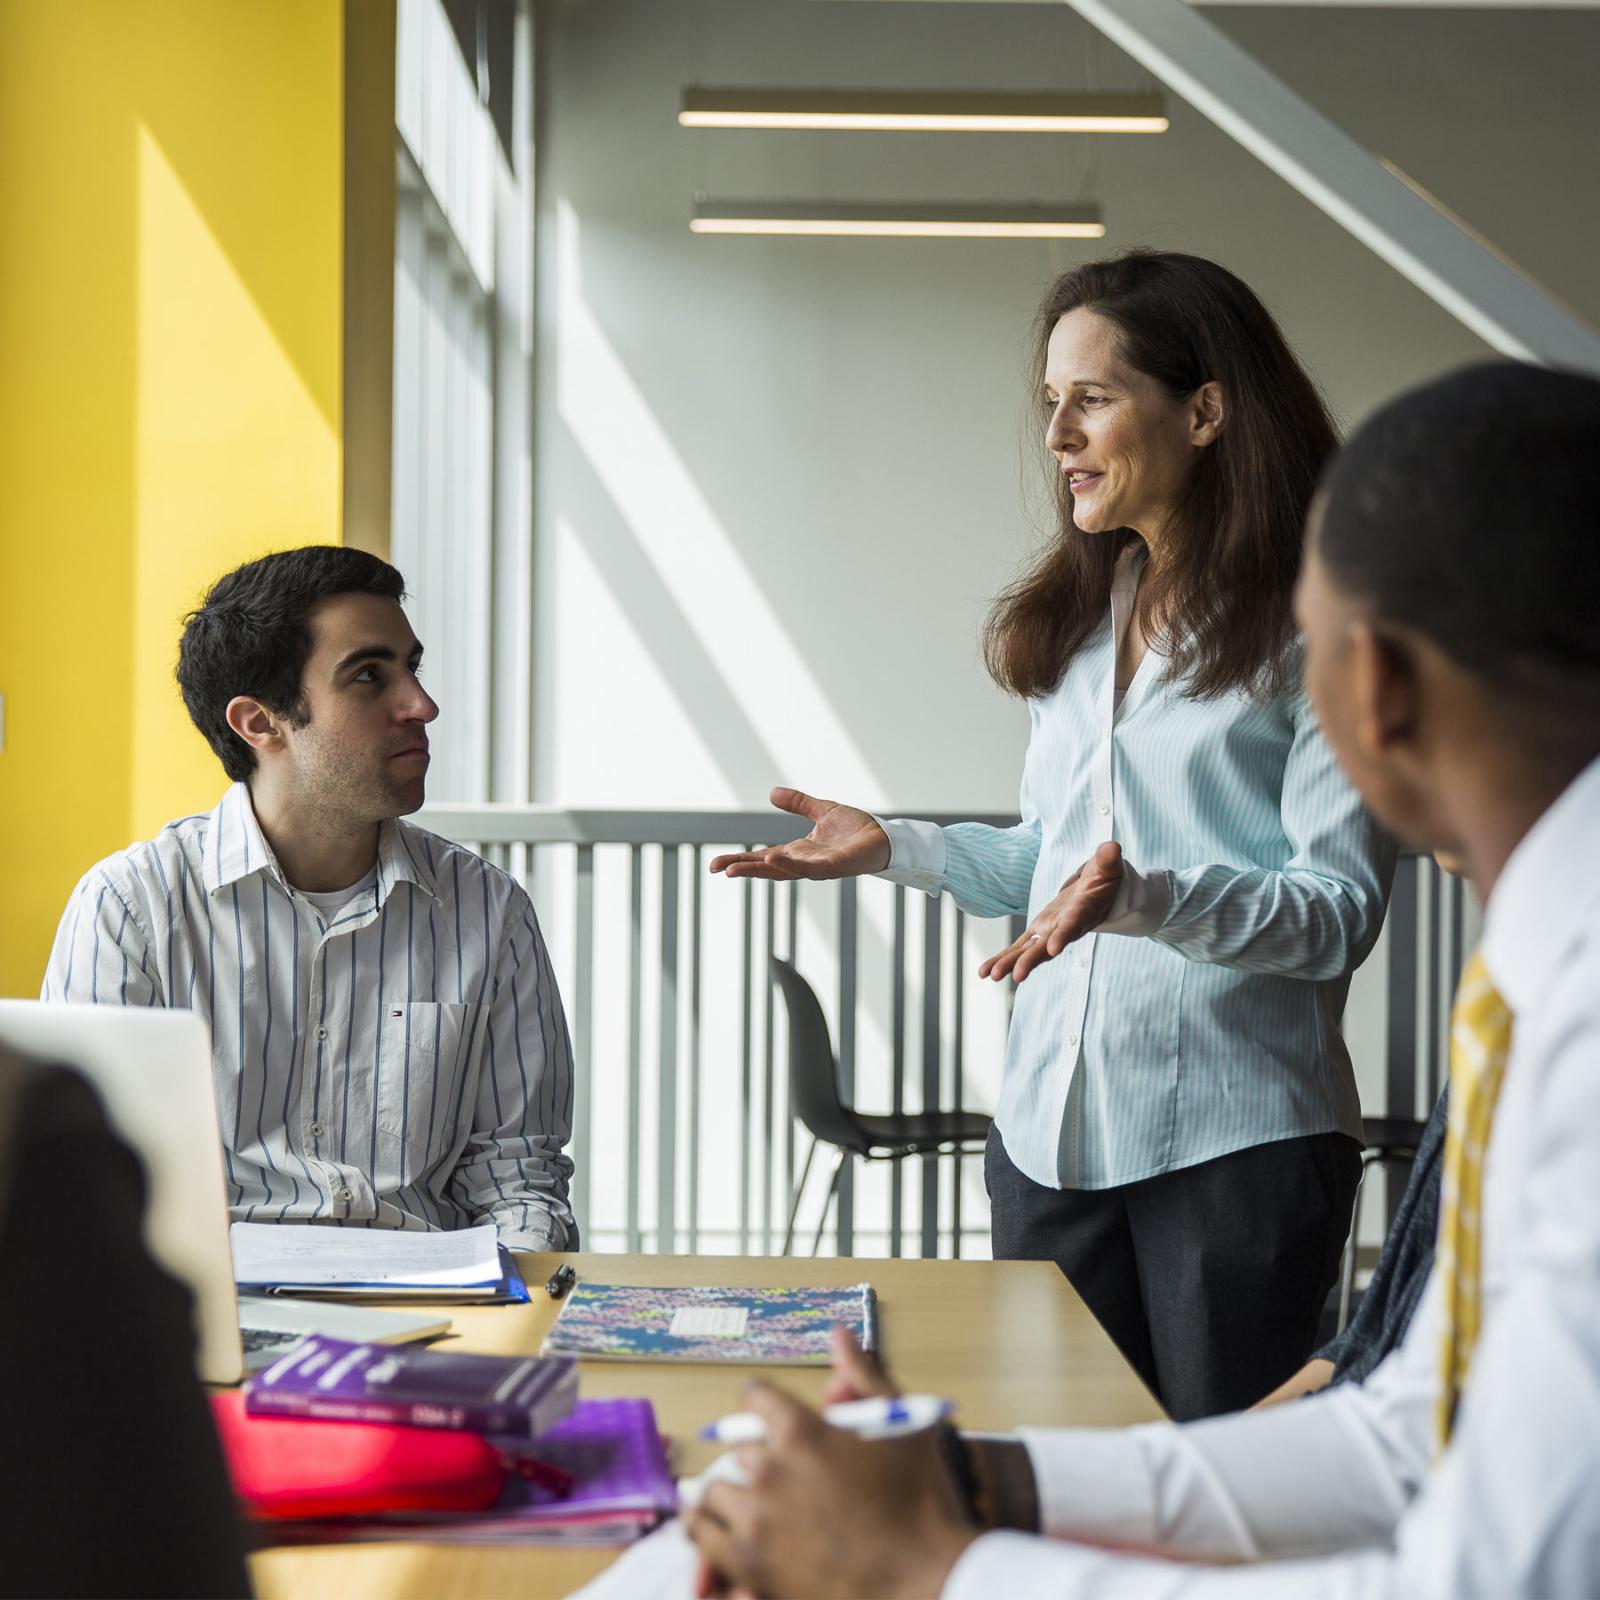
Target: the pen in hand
(880, 1418)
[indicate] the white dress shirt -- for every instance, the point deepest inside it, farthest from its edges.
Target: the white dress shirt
(403, 1063)
(1339, 1495)
(1201, 1017)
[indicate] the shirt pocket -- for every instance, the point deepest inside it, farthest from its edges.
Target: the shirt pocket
(425, 1094)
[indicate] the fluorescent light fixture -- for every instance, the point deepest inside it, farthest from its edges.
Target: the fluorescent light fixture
(921, 111)
(1021, 221)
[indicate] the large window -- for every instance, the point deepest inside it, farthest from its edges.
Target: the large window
(463, 319)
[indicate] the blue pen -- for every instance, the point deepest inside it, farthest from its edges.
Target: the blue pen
(871, 1419)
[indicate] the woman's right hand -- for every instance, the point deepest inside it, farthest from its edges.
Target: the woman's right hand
(843, 843)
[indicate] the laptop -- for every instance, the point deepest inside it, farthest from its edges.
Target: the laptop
(152, 1068)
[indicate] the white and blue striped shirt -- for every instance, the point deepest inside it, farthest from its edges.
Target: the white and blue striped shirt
(1201, 1018)
(405, 1065)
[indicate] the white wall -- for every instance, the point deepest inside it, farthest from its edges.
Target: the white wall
(832, 427)
(778, 481)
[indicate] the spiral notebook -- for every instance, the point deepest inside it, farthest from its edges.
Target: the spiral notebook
(777, 1327)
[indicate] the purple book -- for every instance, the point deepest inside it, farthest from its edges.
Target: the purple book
(515, 1397)
(612, 1448)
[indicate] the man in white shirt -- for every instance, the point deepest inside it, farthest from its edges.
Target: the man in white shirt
(1448, 602)
(389, 1045)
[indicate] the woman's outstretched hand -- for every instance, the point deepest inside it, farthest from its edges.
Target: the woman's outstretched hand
(1083, 904)
(843, 843)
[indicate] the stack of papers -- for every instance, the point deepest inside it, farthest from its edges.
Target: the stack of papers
(373, 1263)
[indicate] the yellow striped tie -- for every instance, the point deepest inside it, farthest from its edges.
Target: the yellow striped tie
(1480, 1041)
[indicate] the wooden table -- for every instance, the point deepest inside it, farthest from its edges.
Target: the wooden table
(1009, 1340)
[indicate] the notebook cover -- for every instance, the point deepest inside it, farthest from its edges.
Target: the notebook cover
(624, 1487)
(513, 1291)
(298, 1469)
(334, 1380)
(778, 1327)
(614, 1449)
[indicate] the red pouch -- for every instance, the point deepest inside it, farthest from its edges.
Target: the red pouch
(294, 1467)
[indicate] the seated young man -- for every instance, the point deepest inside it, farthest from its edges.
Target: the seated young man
(1448, 603)
(388, 1042)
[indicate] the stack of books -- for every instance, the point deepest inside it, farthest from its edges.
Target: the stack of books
(337, 1441)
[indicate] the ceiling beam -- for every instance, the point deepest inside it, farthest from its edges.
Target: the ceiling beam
(1418, 238)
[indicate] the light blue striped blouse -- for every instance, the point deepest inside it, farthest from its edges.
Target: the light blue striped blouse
(1201, 1017)
(402, 1065)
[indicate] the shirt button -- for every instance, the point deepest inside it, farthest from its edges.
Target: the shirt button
(316, 1130)
(322, 1033)
(1072, 1039)
(1105, 811)
(347, 1197)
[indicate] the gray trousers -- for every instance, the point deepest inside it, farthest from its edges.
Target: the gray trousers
(1210, 1279)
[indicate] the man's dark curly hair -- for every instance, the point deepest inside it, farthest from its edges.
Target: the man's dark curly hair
(252, 635)
(1467, 510)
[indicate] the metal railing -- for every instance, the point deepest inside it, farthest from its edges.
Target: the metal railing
(686, 1055)
(682, 1132)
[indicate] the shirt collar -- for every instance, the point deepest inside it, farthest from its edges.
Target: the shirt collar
(236, 848)
(1546, 893)
(402, 859)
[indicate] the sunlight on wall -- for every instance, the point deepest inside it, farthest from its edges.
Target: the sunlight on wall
(706, 580)
(599, 659)
(710, 687)
(233, 459)
(171, 312)
(696, 561)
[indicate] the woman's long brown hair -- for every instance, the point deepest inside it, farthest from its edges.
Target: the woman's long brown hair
(1220, 608)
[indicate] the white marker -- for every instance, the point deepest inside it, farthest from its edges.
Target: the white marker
(871, 1419)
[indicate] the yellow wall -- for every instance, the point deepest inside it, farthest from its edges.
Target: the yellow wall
(171, 192)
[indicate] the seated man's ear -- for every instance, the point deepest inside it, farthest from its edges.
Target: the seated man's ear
(259, 727)
(1384, 684)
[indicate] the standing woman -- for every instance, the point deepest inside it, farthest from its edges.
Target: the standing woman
(1178, 1125)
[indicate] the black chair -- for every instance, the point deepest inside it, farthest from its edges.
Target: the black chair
(815, 1100)
(1390, 1141)
(1424, 954)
